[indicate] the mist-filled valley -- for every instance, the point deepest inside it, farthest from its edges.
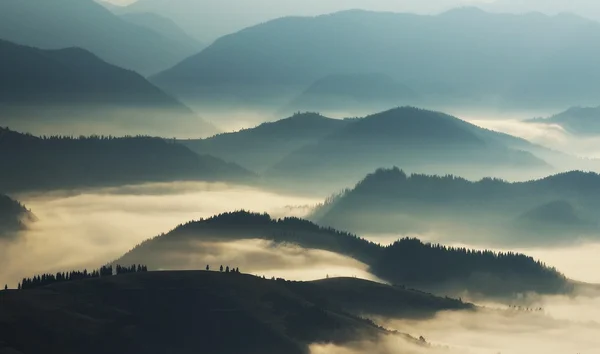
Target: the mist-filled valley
(317, 177)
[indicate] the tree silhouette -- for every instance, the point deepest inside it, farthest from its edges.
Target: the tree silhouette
(207, 267)
(227, 269)
(221, 269)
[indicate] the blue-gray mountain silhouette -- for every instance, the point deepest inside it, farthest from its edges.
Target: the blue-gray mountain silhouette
(462, 57)
(73, 85)
(166, 28)
(342, 93)
(86, 24)
(416, 139)
(261, 147)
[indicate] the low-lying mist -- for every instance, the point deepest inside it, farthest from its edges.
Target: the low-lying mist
(553, 325)
(88, 228)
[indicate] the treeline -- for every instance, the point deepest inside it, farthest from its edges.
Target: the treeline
(408, 261)
(105, 271)
(395, 183)
(51, 162)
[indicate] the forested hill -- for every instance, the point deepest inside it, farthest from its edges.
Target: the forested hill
(419, 139)
(549, 210)
(409, 261)
(199, 312)
(261, 147)
(12, 216)
(42, 163)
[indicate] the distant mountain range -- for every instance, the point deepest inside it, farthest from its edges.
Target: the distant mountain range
(556, 209)
(86, 24)
(166, 28)
(582, 121)
(12, 216)
(65, 163)
(208, 312)
(342, 94)
(41, 88)
(409, 262)
(463, 57)
(337, 153)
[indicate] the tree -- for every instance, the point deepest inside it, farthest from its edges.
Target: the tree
(227, 269)
(5, 286)
(221, 269)
(207, 267)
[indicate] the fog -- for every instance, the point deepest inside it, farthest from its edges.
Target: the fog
(264, 258)
(89, 228)
(551, 326)
(549, 135)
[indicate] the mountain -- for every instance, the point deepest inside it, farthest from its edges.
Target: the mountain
(261, 147)
(418, 139)
(73, 87)
(166, 28)
(191, 312)
(352, 93)
(435, 268)
(64, 162)
(464, 57)
(555, 209)
(584, 8)
(583, 121)
(12, 216)
(86, 24)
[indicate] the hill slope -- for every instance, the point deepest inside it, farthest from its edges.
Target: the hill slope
(462, 57)
(87, 24)
(417, 139)
(12, 215)
(337, 94)
(409, 262)
(584, 121)
(558, 208)
(261, 147)
(188, 312)
(166, 28)
(63, 162)
(74, 87)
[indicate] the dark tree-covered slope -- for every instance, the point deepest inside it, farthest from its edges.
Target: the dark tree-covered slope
(73, 85)
(553, 209)
(418, 139)
(86, 24)
(189, 312)
(64, 162)
(261, 147)
(408, 261)
(461, 57)
(12, 216)
(584, 121)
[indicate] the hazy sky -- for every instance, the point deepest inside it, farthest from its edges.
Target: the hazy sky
(582, 7)
(390, 5)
